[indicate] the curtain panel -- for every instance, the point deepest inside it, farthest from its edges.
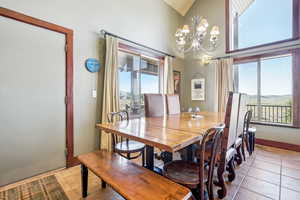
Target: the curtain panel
(224, 82)
(110, 101)
(168, 76)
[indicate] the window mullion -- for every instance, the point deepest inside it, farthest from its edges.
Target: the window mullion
(296, 88)
(140, 87)
(259, 89)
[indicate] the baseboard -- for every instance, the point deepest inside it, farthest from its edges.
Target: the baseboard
(281, 145)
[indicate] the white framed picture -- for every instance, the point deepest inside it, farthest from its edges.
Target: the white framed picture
(198, 89)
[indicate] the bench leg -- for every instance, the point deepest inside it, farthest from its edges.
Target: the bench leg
(84, 180)
(103, 184)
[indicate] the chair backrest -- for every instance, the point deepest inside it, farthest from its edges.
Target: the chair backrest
(214, 136)
(247, 120)
(173, 104)
(241, 115)
(121, 115)
(117, 116)
(229, 133)
(154, 105)
(232, 120)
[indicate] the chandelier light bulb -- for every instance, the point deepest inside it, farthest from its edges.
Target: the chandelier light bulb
(201, 28)
(178, 33)
(204, 22)
(185, 29)
(215, 31)
(195, 44)
(181, 42)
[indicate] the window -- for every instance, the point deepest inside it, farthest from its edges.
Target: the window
(137, 75)
(268, 82)
(251, 23)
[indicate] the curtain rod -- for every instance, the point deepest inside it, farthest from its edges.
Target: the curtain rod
(104, 32)
(246, 54)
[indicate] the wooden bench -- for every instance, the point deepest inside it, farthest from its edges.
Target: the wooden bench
(130, 180)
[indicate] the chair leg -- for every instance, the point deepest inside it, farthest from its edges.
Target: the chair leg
(253, 142)
(221, 182)
(243, 150)
(231, 175)
(239, 155)
(247, 143)
(143, 158)
(84, 180)
(210, 191)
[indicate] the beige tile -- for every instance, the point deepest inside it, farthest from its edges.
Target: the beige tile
(268, 154)
(261, 187)
(287, 194)
(231, 192)
(290, 183)
(295, 173)
(264, 175)
(294, 164)
(249, 161)
(244, 194)
(274, 160)
(267, 166)
(243, 169)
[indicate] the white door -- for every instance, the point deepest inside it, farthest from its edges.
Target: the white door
(32, 107)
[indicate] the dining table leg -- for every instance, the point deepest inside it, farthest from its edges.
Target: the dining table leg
(189, 152)
(167, 157)
(149, 157)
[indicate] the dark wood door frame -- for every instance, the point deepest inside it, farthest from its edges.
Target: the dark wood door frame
(70, 159)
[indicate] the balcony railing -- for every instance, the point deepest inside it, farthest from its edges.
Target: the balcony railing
(281, 114)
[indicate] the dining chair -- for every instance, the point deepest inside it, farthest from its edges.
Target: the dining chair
(226, 156)
(129, 149)
(246, 136)
(196, 175)
(242, 110)
(154, 105)
(173, 104)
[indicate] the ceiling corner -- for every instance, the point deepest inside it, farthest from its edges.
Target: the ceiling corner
(181, 6)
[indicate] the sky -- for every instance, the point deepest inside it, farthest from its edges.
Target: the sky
(263, 22)
(149, 83)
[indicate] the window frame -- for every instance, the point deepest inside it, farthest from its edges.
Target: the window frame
(144, 53)
(295, 53)
(295, 31)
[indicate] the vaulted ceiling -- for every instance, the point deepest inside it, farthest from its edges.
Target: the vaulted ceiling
(181, 6)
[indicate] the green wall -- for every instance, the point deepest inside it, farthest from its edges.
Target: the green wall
(151, 23)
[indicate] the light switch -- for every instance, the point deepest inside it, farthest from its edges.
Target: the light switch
(94, 93)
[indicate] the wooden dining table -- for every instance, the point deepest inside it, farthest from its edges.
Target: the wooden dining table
(170, 133)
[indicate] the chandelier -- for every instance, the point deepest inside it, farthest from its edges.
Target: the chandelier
(193, 38)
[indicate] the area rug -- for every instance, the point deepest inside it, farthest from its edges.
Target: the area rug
(46, 188)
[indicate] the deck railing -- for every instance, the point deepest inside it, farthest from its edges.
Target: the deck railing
(281, 114)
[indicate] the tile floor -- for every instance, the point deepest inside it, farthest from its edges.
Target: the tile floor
(270, 173)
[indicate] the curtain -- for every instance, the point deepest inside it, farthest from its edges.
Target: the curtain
(168, 76)
(224, 82)
(110, 101)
